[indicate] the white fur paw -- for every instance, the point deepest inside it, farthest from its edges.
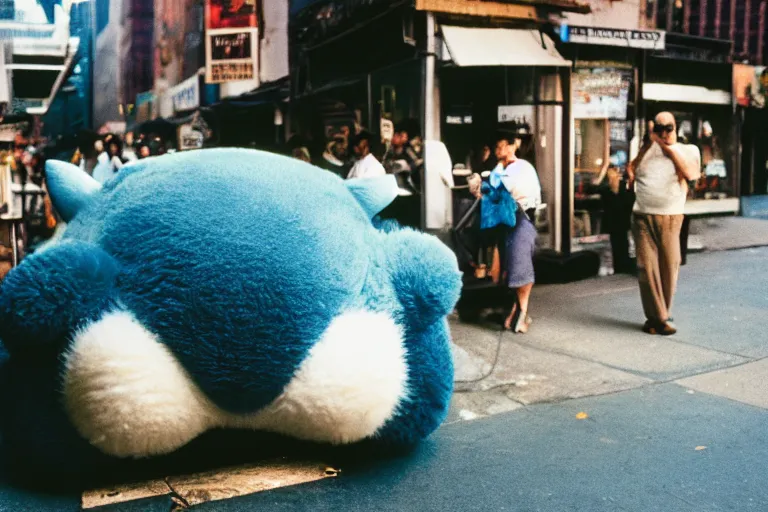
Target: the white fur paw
(349, 385)
(127, 394)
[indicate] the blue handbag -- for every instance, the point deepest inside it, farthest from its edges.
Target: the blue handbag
(497, 206)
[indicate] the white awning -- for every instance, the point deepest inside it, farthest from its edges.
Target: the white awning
(685, 94)
(500, 47)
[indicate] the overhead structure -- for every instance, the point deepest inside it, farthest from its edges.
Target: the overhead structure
(39, 56)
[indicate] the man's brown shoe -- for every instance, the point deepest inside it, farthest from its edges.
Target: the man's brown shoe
(666, 329)
(663, 329)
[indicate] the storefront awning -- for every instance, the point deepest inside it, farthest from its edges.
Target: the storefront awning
(685, 94)
(469, 46)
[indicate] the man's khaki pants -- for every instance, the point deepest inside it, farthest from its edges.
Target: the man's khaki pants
(657, 244)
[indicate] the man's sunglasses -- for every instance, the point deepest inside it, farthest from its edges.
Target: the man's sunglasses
(664, 128)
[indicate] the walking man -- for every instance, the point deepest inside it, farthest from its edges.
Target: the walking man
(661, 173)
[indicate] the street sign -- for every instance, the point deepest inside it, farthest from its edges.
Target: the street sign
(629, 38)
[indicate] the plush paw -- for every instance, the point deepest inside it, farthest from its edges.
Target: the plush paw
(351, 383)
(126, 393)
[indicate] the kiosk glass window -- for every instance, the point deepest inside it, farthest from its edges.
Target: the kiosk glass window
(710, 132)
(602, 133)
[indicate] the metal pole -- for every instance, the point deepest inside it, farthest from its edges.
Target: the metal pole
(429, 109)
(429, 80)
(566, 192)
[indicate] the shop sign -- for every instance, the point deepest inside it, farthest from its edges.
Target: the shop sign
(643, 39)
(520, 115)
(458, 119)
(190, 138)
(231, 56)
(231, 42)
(750, 85)
(600, 93)
(8, 131)
(186, 95)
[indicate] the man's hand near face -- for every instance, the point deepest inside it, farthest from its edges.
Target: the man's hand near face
(681, 167)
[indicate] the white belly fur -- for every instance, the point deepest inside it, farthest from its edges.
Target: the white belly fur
(128, 395)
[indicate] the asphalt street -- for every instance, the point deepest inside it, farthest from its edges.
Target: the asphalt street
(584, 413)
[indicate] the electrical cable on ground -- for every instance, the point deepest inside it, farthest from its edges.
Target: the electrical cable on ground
(493, 366)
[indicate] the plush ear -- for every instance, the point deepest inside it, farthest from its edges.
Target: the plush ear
(70, 187)
(373, 194)
(425, 275)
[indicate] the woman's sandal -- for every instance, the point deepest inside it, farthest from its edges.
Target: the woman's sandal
(510, 320)
(523, 323)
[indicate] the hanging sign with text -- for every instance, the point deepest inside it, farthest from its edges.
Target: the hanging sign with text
(601, 93)
(643, 39)
(518, 118)
(186, 95)
(231, 41)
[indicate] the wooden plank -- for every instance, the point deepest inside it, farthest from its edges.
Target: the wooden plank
(219, 484)
(478, 8)
(123, 493)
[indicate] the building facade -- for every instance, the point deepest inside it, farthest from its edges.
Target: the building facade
(137, 49)
(413, 63)
(743, 23)
(637, 58)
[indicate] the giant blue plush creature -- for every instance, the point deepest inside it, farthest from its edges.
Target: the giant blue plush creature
(229, 288)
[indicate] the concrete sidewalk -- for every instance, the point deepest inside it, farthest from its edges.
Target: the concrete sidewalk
(586, 341)
(706, 234)
(727, 233)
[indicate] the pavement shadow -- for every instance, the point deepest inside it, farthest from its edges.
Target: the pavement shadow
(609, 321)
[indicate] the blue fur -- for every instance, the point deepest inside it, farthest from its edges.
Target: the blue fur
(65, 288)
(238, 260)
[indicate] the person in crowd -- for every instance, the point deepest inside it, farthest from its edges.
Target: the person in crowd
(661, 173)
(144, 151)
(301, 153)
(115, 152)
(403, 156)
(400, 150)
(334, 155)
(482, 159)
(110, 161)
(102, 156)
(522, 181)
(366, 165)
(129, 148)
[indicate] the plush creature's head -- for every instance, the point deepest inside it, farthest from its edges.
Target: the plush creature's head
(229, 289)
